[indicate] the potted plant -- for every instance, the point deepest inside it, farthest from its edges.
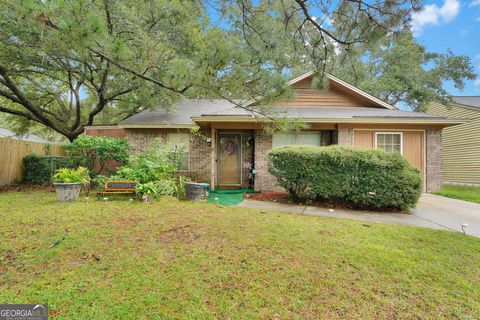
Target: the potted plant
(146, 191)
(68, 182)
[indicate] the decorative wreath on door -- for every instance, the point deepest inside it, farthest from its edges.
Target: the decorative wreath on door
(230, 148)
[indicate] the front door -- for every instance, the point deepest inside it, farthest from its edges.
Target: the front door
(229, 150)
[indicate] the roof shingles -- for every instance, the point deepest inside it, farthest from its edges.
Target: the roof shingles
(471, 101)
(194, 108)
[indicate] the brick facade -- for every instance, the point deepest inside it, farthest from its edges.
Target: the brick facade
(345, 137)
(142, 139)
(199, 163)
(264, 181)
(199, 153)
(247, 149)
(434, 160)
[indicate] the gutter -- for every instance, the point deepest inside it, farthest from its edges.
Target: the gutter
(336, 120)
(157, 126)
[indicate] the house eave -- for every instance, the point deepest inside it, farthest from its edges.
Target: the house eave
(157, 126)
(333, 120)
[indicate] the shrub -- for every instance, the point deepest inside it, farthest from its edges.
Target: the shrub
(67, 175)
(96, 153)
(172, 187)
(361, 178)
(155, 169)
(146, 189)
(153, 164)
(40, 169)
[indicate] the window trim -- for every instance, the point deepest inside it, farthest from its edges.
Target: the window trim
(390, 132)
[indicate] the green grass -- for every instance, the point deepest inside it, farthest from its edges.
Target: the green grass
(461, 192)
(181, 260)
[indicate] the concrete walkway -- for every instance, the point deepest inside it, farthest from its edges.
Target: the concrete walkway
(432, 211)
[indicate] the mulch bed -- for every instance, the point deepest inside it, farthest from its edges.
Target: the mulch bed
(25, 187)
(284, 197)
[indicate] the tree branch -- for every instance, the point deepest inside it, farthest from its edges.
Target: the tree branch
(140, 75)
(37, 113)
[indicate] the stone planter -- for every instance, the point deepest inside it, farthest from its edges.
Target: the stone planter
(67, 191)
(196, 191)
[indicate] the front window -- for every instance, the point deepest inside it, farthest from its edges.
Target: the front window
(389, 141)
(180, 139)
(305, 138)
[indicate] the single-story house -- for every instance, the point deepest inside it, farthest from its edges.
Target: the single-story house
(234, 140)
(461, 144)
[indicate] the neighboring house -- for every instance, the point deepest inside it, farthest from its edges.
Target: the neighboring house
(342, 114)
(461, 144)
(5, 133)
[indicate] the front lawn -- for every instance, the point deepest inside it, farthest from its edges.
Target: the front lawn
(170, 260)
(460, 192)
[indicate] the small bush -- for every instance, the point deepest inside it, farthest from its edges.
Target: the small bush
(97, 153)
(147, 189)
(153, 164)
(360, 178)
(40, 169)
(155, 169)
(172, 187)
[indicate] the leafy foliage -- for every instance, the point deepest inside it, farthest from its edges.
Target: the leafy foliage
(172, 187)
(65, 64)
(40, 169)
(152, 164)
(361, 178)
(146, 189)
(155, 168)
(96, 152)
(67, 175)
(399, 70)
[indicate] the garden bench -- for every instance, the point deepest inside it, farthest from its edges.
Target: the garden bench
(119, 187)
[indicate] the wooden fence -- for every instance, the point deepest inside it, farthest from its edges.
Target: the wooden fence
(12, 153)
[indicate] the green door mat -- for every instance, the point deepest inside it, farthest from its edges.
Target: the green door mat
(228, 197)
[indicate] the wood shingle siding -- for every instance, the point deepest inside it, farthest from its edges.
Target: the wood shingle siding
(461, 144)
(306, 95)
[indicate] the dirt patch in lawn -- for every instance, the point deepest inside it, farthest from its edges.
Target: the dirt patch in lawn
(179, 234)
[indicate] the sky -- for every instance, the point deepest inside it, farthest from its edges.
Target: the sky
(454, 25)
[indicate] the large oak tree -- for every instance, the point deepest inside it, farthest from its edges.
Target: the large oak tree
(63, 64)
(67, 64)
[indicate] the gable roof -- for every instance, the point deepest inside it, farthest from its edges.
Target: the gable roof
(473, 102)
(190, 112)
(374, 100)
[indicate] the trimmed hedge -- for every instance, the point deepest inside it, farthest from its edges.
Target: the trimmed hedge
(39, 169)
(360, 178)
